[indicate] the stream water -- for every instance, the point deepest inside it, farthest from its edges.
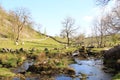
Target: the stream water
(87, 70)
(90, 69)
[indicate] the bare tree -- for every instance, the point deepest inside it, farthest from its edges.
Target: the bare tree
(105, 2)
(20, 18)
(80, 38)
(112, 19)
(100, 31)
(102, 2)
(115, 18)
(112, 22)
(69, 28)
(38, 26)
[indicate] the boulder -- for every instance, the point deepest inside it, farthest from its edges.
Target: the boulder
(21, 50)
(112, 57)
(46, 51)
(75, 53)
(4, 50)
(12, 51)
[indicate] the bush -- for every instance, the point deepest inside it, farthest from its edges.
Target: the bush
(40, 57)
(117, 77)
(12, 62)
(20, 60)
(8, 60)
(4, 72)
(46, 51)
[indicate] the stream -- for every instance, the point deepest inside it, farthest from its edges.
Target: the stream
(90, 69)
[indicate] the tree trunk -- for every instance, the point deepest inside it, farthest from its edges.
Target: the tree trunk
(68, 39)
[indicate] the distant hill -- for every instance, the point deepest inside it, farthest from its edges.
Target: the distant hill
(6, 27)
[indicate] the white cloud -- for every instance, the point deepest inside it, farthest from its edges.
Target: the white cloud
(93, 13)
(88, 18)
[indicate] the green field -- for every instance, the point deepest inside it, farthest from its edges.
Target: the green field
(30, 43)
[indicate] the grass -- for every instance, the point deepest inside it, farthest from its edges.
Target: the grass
(13, 60)
(117, 77)
(60, 62)
(96, 50)
(4, 72)
(8, 59)
(30, 43)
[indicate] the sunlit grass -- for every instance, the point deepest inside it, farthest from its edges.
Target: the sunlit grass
(30, 43)
(4, 72)
(117, 77)
(11, 60)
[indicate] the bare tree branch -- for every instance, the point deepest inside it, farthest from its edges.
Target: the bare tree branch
(20, 18)
(69, 28)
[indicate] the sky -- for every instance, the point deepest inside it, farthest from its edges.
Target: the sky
(50, 13)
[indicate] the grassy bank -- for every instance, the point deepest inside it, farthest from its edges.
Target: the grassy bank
(50, 61)
(56, 57)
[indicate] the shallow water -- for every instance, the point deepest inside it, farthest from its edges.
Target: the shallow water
(91, 69)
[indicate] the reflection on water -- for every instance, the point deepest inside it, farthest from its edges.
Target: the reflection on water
(91, 68)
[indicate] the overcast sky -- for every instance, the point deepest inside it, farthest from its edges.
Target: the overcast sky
(50, 13)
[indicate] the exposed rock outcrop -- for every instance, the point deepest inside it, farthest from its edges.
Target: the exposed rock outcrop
(112, 58)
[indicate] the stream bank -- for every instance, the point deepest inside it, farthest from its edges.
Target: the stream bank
(90, 69)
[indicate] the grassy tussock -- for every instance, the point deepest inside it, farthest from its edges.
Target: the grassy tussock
(4, 72)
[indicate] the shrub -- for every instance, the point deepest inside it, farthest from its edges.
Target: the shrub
(41, 57)
(8, 60)
(20, 60)
(12, 62)
(46, 51)
(117, 77)
(4, 72)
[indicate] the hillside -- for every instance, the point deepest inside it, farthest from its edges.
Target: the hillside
(6, 27)
(30, 37)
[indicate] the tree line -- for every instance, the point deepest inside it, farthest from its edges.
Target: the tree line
(107, 24)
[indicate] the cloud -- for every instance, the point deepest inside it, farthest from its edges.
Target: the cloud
(88, 18)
